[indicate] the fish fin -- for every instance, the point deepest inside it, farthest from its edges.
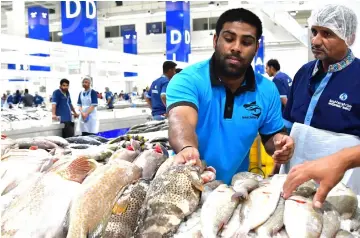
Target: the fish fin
(78, 169)
(198, 185)
(239, 196)
(120, 208)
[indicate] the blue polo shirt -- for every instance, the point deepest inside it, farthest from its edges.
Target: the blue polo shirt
(158, 88)
(107, 96)
(38, 100)
(62, 102)
(283, 83)
(328, 101)
(227, 123)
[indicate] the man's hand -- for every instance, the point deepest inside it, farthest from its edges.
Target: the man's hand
(84, 115)
(188, 155)
(55, 118)
(76, 115)
(327, 171)
(284, 148)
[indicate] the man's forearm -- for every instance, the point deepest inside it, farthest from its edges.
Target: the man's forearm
(163, 99)
(181, 134)
(91, 108)
(53, 109)
(283, 101)
(350, 157)
(148, 102)
(72, 108)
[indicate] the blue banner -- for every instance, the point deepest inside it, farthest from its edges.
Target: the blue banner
(130, 47)
(79, 23)
(153, 28)
(259, 57)
(126, 28)
(178, 42)
(38, 27)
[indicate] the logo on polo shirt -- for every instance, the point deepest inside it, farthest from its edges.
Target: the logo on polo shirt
(253, 109)
(343, 97)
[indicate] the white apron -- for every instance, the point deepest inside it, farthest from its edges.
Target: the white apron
(312, 144)
(92, 124)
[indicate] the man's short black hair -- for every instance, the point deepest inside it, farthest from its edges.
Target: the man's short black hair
(178, 70)
(167, 65)
(64, 81)
(239, 15)
(26, 90)
(274, 63)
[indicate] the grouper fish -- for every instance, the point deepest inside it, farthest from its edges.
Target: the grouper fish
(172, 196)
(92, 207)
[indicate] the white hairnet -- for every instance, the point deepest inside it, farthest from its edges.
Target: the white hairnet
(338, 18)
(87, 77)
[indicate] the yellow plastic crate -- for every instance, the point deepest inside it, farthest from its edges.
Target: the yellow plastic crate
(260, 159)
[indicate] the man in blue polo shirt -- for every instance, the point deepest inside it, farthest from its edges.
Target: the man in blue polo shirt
(156, 97)
(109, 97)
(62, 107)
(218, 106)
(281, 80)
(325, 92)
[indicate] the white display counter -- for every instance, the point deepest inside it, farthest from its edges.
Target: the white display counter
(50, 130)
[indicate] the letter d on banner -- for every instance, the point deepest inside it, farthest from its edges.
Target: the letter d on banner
(68, 8)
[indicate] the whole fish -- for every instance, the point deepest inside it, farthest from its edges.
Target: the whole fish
(275, 222)
(128, 154)
(344, 200)
(331, 221)
(79, 146)
(344, 234)
(208, 189)
(99, 138)
(123, 220)
(52, 193)
(91, 209)
(159, 139)
(230, 229)
(26, 143)
(217, 211)
(260, 205)
(57, 140)
(172, 196)
(150, 161)
(83, 140)
(245, 175)
(191, 227)
(300, 218)
(306, 189)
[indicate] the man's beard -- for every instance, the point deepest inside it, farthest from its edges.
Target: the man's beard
(230, 71)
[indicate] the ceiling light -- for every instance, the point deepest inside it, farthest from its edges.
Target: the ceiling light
(59, 33)
(293, 13)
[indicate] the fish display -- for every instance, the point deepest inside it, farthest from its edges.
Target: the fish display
(129, 186)
(150, 126)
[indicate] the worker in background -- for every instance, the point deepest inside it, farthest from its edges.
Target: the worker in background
(3, 100)
(87, 103)
(156, 97)
(217, 107)
(109, 97)
(38, 100)
(282, 81)
(325, 95)
(27, 99)
(17, 97)
(62, 108)
(9, 100)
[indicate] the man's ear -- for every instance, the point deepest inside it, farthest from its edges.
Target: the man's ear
(215, 39)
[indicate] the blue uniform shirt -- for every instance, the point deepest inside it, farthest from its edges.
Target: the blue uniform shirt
(38, 100)
(10, 99)
(107, 96)
(283, 83)
(336, 104)
(158, 88)
(227, 123)
(63, 102)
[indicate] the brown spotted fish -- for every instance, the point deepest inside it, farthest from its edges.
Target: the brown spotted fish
(123, 220)
(172, 196)
(92, 208)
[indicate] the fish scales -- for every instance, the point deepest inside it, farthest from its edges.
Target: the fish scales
(92, 208)
(123, 221)
(172, 196)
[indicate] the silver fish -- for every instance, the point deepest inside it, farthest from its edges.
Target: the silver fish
(344, 234)
(57, 140)
(274, 224)
(172, 196)
(306, 189)
(208, 189)
(233, 224)
(331, 221)
(150, 161)
(217, 210)
(245, 175)
(300, 218)
(344, 200)
(26, 143)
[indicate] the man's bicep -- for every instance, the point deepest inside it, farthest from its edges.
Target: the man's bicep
(183, 114)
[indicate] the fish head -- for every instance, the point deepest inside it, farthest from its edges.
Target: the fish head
(78, 169)
(133, 146)
(160, 149)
